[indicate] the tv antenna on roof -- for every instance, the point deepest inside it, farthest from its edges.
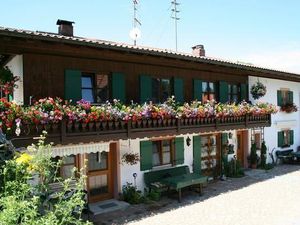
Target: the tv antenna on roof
(175, 17)
(135, 32)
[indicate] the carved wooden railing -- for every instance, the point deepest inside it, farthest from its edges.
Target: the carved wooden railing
(76, 132)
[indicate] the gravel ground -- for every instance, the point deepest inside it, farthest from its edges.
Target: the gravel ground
(273, 200)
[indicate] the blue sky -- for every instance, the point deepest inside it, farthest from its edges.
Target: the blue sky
(263, 32)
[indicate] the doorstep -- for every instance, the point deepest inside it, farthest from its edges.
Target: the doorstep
(110, 205)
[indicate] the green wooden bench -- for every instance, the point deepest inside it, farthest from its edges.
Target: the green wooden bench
(175, 177)
(285, 156)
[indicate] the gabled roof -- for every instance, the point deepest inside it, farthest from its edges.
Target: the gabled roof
(40, 35)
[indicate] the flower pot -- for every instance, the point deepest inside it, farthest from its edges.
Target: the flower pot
(77, 126)
(110, 125)
(145, 123)
(159, 122)
(139, 123)
(122, 124)
(174, 122)
(154, 122)
(169, 122)
(133, 124)
(98, 125)
(84, 126)
(54, 127)
(164, 122)
(253, 166)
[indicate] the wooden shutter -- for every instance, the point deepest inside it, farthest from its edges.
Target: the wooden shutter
(224, 139)
(179, 150)
(145, 88)
(290, 97)
(118, 86)
(197, 154)
(223, 91)
(280, 136)
(146, 155)
(197, 89)
(244, 94)
(178, 90)
(279, 98)
(291, 137)
(73, 85)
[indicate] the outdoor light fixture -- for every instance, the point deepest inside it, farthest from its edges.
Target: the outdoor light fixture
(188, 141)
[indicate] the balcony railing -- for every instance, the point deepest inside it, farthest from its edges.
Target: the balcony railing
(64, 133)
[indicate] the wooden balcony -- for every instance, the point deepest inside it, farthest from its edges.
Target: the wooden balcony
(64, 133)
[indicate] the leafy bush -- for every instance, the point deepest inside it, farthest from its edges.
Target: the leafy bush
(233, 168)
(29, 204)
(131, 194)
(154, 195)
(263, 154)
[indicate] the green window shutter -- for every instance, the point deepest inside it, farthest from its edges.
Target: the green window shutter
(73, 85)
(280, 136)
(197, 89)
(197, 154)
(279, 98)
(291, 136)
(178, 89)
(179, 150)
(244, 94)
(224, 139)
(223, 91)
(290, 97)
(118, 86)
(146, 155)
(145, 88)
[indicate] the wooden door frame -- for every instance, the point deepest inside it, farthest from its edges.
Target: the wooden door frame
(243, 147)
(110, 172)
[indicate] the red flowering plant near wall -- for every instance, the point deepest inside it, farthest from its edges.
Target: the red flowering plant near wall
(53, 110)
(7, 81)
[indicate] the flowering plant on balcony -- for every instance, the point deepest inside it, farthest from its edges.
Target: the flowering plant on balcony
(7, 81)
(289, 108)
(53, 110)
(258, 90)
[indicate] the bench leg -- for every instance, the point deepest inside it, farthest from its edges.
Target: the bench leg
(200, 189)
(179, 195)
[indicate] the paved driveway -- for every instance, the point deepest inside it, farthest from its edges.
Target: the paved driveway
(260, 198)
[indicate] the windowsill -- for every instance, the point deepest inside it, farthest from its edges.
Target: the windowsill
(285, 146)
(162, 167)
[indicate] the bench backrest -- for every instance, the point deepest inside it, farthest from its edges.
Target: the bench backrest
(284, 152)
(157, 175)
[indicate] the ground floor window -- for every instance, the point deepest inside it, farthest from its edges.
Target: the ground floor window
(285, 138)
(68, 163)
(162, 152)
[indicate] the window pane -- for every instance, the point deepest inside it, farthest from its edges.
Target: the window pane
(155, 153)
(102, 91)
(67, 171)
(98, 185)
(87, 94)
(166, 149)
(98, 161)
(235, 98)
(211, 87)
(86, 82)
(204, 86)
(68, 159)
(234, 89)
(155, 90)
(165, 88)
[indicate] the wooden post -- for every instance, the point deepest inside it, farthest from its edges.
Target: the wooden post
(246, 120)
(63, 130)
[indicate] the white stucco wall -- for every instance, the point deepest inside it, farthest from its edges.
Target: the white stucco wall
(16, 67)
(280, 120)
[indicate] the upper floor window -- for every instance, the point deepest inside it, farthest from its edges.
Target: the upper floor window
(95, 87)
(284, 97)
(161, 89)
(208, 91)
(233, 93)
(162, 152)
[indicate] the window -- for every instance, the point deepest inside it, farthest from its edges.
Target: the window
(284, 97)
(67, 166)
(98, 161)
(233, 93)
(257, 140)
(208, 91)
(161, 89)
(162, 152)
(208, 153)
(285, 138)
(95, 87)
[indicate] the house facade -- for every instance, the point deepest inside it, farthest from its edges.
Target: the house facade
(74, 68)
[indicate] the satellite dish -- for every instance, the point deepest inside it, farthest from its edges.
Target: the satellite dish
(135, 34)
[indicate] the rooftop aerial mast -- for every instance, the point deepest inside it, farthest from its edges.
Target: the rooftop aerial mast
(174, 16)
(135, 32)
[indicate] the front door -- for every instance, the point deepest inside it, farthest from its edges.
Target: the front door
(99, 176)
(240, 148)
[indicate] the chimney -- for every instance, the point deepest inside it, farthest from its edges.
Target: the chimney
(65, 27)
(198, 50)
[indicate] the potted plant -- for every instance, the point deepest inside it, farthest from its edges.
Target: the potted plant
(253, 156)
(289, 108)
(263, 154)
(258, 90)
(130, 158)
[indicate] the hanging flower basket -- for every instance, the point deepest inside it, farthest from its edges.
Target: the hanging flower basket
(289, 108)
(130, 158)
(258, 90)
